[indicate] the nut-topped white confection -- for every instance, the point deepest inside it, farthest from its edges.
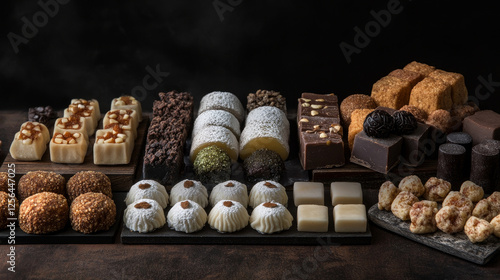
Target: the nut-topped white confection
(68, 147)
(218, 136)
(89, 110)
(228, 216)
(92, 102)
(112, 148)
(219, 100)
(73, 124)
(270, 217)
(144, 215)
(189, 190)
(217, 118)
(187, 216)
(149, 189)
(127, 119)
(266, 191)
(266, 127)
(128, 103)
(229, 190)
(30, 143)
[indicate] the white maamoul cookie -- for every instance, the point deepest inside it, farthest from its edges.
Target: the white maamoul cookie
(266, 127)
(472, 191)
(30, 143)
(412, 184)
(495, 222)
(111, 148)
(451, 219)
(89, 110)
(189, 190)
(218, 136)
(484, 210)
(228, 216)
(144, 215)
(217, 118)
(149, 189)
(401, 205)
(68, 147)
(73, 124)
(127, 103)
(270, 217)
(436, 189)
(422, 215)
(187, 216)
(219, 100)
(459, 200)
(229, 190)
(127, 119)
(266, 191)
(386, 195)
(478, 230)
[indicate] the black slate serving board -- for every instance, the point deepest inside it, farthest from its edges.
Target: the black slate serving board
(454, 244)
(68, 235)
(248, 235)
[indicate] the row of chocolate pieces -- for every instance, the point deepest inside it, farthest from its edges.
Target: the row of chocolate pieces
(167, 135)
(320, 132)
(229, 200)
(465, 210)
(48, 202)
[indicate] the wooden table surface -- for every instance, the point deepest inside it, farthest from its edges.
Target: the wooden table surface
(389, 256)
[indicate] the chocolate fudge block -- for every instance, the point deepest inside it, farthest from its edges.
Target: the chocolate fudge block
(430, 95)
(413, 150)
(318, 105)
(456, 81)
(391, 92)
(412, 77)
(319, 149)
(378, 154)
(482, 125)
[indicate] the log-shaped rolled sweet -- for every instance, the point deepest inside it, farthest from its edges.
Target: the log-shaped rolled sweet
(219, 100)
(30, 143)
(127, 102)
(266, 127)
(68, 147)
(218, 136)
(111, 148)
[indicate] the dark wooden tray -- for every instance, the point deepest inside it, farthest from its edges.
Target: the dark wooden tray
(454, 244)
(248, 235)
(68, 235)
(121, 176)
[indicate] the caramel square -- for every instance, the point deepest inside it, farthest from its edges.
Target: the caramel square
(412, 77)
(420, 68)
(358, 117)
(456, 81)
(430, 95)
(391, 92)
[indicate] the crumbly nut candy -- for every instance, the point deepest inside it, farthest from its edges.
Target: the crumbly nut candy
(430, 95)
(4, 209)
(35, 182)
(418, 113)
(43, 212)
(410, 76)
(441, 119)
(357, 119)
(391, 92)
(266, 98)
(92, 212)
(88, 181)
(419, 67)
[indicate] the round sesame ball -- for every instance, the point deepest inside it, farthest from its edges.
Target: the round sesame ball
(43, 212)
(4, 209)
(92, 212)
(35, 182)
(88, 181)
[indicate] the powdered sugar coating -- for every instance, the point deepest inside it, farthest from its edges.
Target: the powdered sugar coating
(197, 193)
(215, 135)
(219, 100)
(270, 219)
(228, 219)
(217, 118)
(229, 190)
(142, 219)
(190, 219)
(265, 191)
(155, 191)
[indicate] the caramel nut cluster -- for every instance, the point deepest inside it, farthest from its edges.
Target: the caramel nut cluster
(29, 132)
(66, 138)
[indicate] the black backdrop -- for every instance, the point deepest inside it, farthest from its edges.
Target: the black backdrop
(103, 49)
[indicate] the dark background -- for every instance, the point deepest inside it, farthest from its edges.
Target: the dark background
(101, 49)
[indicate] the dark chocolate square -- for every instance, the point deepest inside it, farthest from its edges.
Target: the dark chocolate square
(321, 150)
(413, 150)
(482, 125)
(378, 154)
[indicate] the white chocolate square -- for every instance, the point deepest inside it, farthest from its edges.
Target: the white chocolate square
(350, 218)
(346, 193)
(73, 124)
(127, 119)
(30, 143)
(312, 218)
(127, 103)
(308, 193)
(110, 150)
(68, 147)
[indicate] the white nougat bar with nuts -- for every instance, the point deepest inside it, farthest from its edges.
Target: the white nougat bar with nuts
(112, 148)
(127, 119)
(30, 143)
(127, 103)
(68, 147)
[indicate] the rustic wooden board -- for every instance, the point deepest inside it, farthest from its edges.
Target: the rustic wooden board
(454, 244)
(248, 235)
(121, 176)
(68, 235)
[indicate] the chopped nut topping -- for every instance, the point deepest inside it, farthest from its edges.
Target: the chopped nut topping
(65, 138)
(119, 117)
(81, 109)
(306, 100)
(71, 122)
(114, 136)
(316, 106)
(314, 113)
(304, 120)
(306, 104)
(31, 131)
(185, 204)
(320, 100)
(323, 135)
(125, 100)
